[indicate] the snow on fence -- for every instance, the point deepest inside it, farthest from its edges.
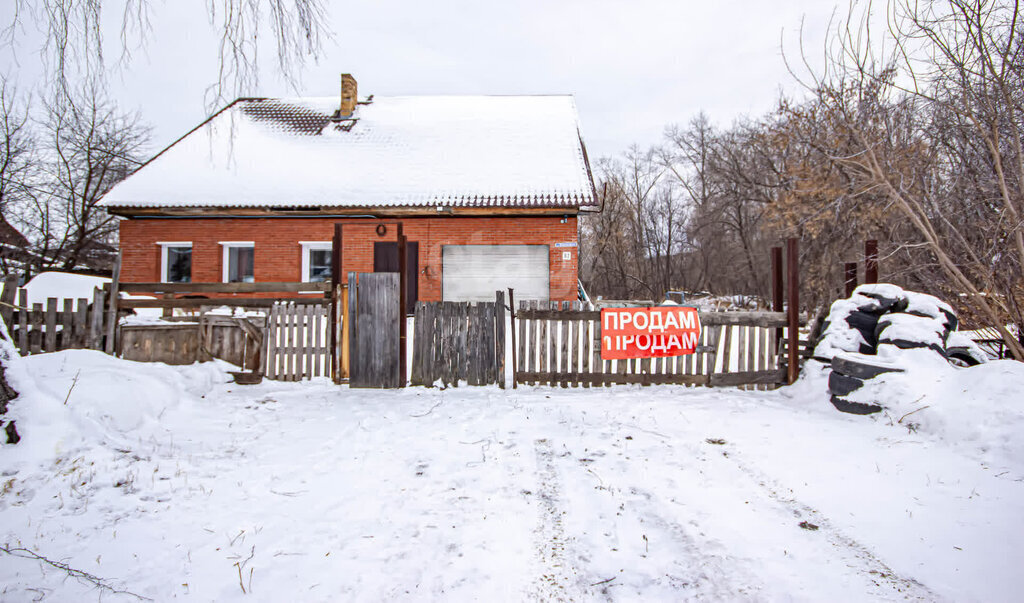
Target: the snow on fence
(560, 343)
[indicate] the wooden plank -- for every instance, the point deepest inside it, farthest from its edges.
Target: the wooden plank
(611, 378)
(264, 287)
(23, 316)
(542, 343)
(96, 320)
(741, 349)
(727, 348)
(532, 337)
(7, 301)
(752, 318)
(36, 335)
(353, 322)
(571, 348)
(67, 317)
(499, 338)
(270, 344)
(81, 330)
(50, 329)
(565, 363)
(552, 344)
(749, 378)
(596, 365)
(234, 302)
(112, 303)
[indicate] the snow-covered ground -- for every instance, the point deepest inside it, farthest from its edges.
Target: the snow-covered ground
(171, 483)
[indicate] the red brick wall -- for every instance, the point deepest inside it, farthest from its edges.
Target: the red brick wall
(278, 255)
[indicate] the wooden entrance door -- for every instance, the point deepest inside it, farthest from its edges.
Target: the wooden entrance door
(385, 259)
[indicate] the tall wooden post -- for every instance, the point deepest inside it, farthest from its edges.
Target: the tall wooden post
(512, 332)
(793, 284)
(777, 290)
(871, 261)
(336, 302)
(850, 277)
(115, 292)
(403, 276)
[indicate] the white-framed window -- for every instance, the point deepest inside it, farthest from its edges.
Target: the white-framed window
(175, 261)
(238, 263)
(316, 261)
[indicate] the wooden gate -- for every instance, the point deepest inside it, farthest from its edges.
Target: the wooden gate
(459, 341)
(374, 353)
(297, 341)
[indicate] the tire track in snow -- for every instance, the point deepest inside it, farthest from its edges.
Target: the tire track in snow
(850, 549)
(558, 580)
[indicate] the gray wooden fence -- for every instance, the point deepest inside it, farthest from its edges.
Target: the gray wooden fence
(456, 341)
(57, 325)
(560, 343)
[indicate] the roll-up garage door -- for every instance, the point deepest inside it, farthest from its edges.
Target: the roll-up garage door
(475, 272)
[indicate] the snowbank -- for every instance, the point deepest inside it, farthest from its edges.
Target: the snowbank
(75, 399)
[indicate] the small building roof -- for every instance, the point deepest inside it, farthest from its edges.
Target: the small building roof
(406, 151)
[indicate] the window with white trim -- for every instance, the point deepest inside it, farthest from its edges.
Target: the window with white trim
(176, 262)
(316, 261)
(238, 261)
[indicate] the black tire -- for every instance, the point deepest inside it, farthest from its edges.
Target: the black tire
(860, 370)
(866, 323)
(960, 357)
(841, 385)
(854, 408)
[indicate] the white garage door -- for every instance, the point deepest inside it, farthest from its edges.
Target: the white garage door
(475, 272)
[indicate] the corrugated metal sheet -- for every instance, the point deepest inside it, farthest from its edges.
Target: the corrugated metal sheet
(468, 151)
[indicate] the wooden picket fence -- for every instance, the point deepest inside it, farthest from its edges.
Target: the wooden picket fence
(459, 341)
(297, 341)
(560, 343)
(58, 325)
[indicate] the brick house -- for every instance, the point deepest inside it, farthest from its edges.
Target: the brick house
(488, 189)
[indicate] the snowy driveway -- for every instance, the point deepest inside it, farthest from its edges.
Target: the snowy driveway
(311, 492)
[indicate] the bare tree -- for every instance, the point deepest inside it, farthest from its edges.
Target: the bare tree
(935, 131)
(74, 49)
(89, 146)
(17, 166)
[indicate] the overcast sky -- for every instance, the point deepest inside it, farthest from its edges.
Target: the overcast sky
(633, 66)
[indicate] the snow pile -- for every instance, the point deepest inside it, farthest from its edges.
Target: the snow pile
(980, 408)
(76, 399)
(62, 285)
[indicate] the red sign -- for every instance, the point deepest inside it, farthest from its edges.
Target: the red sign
(648, 332)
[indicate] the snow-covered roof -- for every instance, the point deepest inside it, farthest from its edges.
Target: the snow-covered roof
(479, 151)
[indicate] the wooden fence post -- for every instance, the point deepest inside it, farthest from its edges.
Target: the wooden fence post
(112, 303)
(336, 301)
(7, 301)
(793, 283)
(403, 277)
(499, 338)
(871, 261)
(777, 292)
(850, 277)
(96, 324)
(512, 332)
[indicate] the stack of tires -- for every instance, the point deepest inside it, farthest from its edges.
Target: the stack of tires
(864, 334)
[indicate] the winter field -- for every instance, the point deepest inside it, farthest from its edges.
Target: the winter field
(172, 483)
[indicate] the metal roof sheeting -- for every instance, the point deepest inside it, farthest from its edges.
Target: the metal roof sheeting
(472, 151)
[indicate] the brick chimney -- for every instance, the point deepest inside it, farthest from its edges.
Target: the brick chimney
(348, 95)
